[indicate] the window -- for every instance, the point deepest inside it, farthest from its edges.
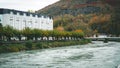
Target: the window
(17, 19)
(30, 21)
(1, 11)
(27, 14)
(11, 18)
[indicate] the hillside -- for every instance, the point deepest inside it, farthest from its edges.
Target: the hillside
(75, 7)
(91, 16)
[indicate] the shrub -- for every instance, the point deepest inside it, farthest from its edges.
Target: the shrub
(3, 49)
(28, 44)
(13, 48)
(39, 45)
(21, 47)
(45, 45)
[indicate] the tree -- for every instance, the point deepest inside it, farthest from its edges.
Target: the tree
(56, 34)
(1, 31)
(37, 33)
(115, 24)
(27, 32)
(78, 34)
(45, 33)
(8, 31)
(17, 33)
(101, 23)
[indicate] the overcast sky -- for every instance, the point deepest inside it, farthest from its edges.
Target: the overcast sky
(25, 5)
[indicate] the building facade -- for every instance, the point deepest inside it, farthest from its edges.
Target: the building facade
(21, 20)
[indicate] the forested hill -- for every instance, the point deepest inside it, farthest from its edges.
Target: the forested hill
(75, 7)
(90, 16)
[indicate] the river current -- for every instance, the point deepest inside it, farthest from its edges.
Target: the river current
(94, 55)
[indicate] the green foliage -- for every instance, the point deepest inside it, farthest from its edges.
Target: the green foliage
(12, 48)
(115, 24)
(39, 45)
(107, 23)
(78, 14)
(3, 49)
(37, 33)
(72, 23)
(34, 34)
(1, 31)
(8, 32)
(27, 32)
(29, 44)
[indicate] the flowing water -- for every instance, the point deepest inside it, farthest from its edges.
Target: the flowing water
(93, 55)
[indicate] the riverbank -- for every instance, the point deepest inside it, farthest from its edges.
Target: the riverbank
(95, 55)
(29, 45)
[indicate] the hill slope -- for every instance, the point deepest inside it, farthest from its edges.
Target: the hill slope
(91, 16)
(75, 7)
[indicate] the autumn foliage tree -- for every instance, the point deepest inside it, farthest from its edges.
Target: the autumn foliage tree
(100, 23)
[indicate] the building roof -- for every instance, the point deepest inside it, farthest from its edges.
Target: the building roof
(8, 11)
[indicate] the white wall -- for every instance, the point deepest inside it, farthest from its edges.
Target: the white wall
(21, 21)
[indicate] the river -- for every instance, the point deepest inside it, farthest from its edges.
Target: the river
(94, 55)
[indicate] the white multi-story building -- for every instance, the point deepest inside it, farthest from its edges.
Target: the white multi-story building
(20, 20)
